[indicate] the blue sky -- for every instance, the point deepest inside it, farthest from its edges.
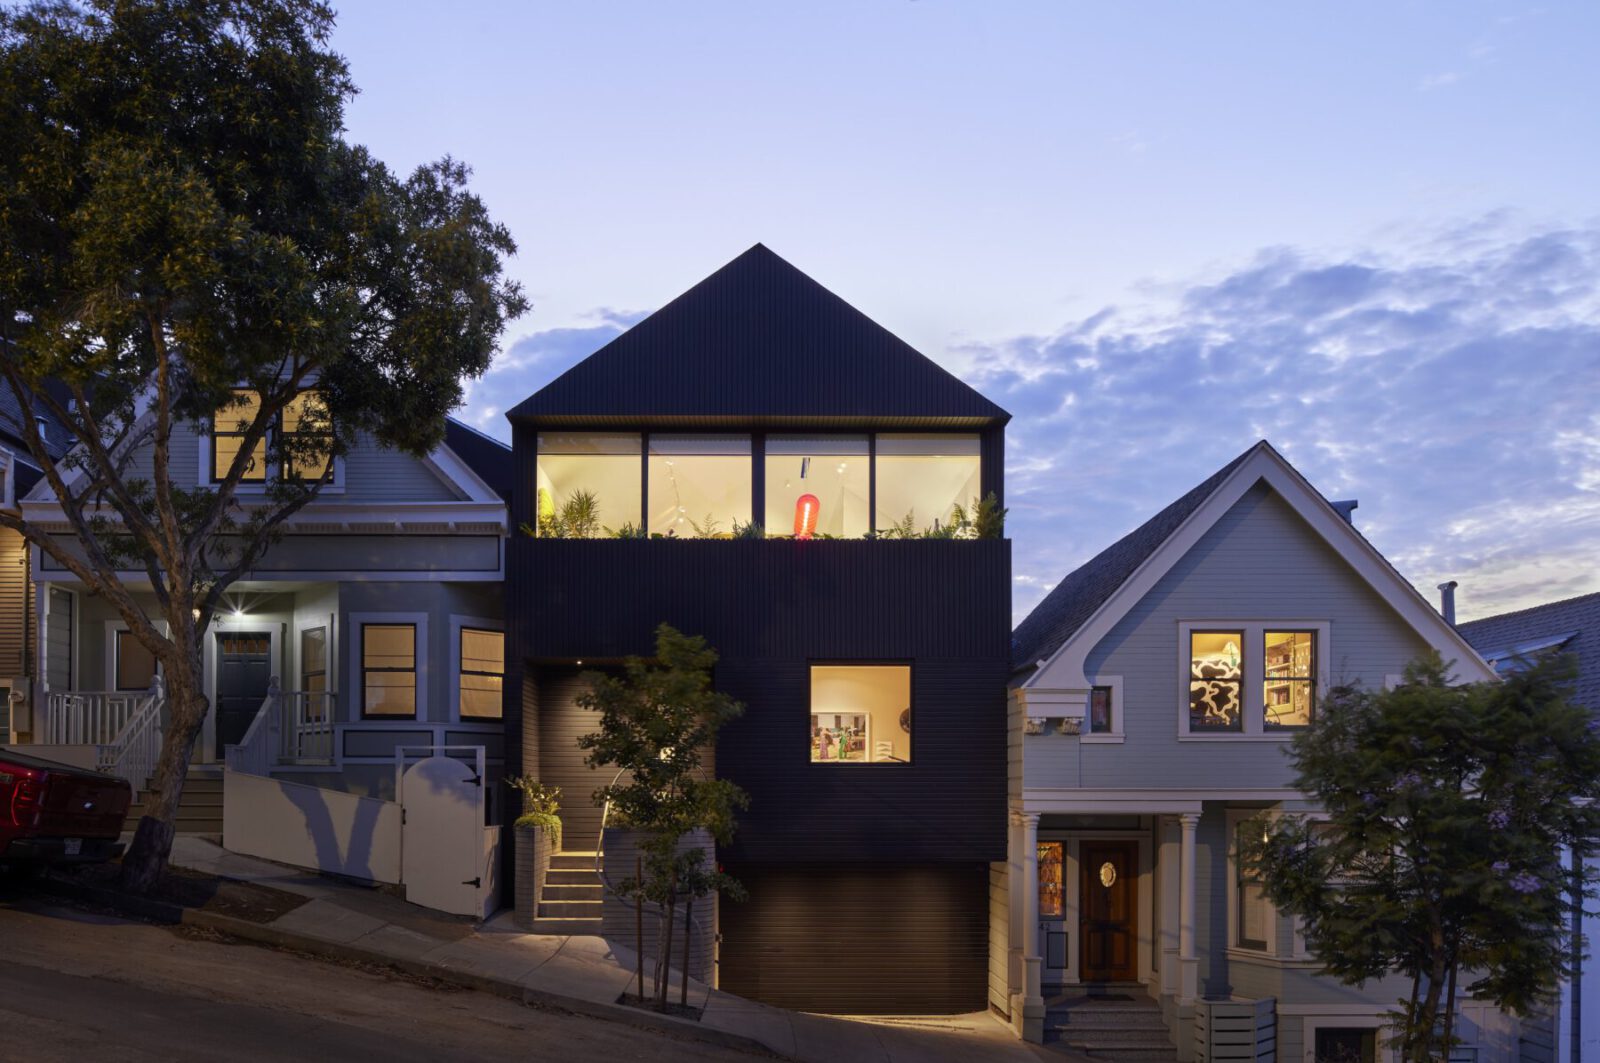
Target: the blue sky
(1155, 232)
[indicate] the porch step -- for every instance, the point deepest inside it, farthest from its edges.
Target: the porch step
(587, 891)
(570, 877)
(572, 860)
(1113, 1025)
(570, 909)
(200, 807)
(567, 927)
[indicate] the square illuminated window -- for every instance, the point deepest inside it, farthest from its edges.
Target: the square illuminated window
(699, 486)
(832, 470)
(1216, 681)
(588, 485)
(1289, 689)
(861, 714)
(923, 477)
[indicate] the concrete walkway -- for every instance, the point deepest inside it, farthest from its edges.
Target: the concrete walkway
(582, 974)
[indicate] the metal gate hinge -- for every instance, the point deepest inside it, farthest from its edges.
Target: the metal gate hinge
(477, 882)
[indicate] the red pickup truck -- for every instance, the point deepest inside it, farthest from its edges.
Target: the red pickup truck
(56, 814)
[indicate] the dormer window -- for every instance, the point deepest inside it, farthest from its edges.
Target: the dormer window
(228, 429)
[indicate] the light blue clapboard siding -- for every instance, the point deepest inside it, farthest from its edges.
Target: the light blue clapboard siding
(1260, 561)
(371, 473)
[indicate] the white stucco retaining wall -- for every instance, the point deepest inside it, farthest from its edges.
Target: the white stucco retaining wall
(308, 826)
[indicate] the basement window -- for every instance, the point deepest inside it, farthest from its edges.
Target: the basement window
(860, 714)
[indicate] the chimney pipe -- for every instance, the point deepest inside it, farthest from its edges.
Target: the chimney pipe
(1447, 602)
(1346, 509)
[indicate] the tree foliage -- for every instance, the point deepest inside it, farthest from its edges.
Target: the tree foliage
(657, 718)
(1447, 808)
(181, 216)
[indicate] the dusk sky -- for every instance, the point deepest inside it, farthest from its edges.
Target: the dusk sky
(1369, 232)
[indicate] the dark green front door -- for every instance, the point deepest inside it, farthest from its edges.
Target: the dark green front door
(244, 668)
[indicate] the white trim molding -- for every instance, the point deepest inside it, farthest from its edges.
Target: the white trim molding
(354, 703)
(1064, 669)
(481, 623)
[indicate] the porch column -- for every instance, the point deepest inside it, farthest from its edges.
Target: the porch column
(1188, 965)
(1168, 941)
(1031, 1027)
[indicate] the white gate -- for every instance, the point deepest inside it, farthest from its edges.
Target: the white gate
(447, 855)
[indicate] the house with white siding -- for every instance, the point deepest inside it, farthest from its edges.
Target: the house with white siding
(1153, 696)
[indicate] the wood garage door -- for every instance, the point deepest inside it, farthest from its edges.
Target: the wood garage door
(859, 940)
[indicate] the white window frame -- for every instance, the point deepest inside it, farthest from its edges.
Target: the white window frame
(358, 695)
(1237, 816)
(1253, 709)
(1117, 733)
(1354, 1019)
(481, 623)
(112, 627)
(335, 484)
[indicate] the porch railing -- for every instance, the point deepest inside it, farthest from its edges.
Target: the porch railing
(308, 717)
(123, 726)
(291, 727)
(90, 718)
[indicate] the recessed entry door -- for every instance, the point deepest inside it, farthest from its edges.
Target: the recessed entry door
(244, 668)
(1107, 899)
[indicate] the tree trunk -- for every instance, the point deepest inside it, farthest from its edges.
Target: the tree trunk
(1407, 1050)
(1427, 1017)
(152, 840)
(667, 912)
(1449, 1011)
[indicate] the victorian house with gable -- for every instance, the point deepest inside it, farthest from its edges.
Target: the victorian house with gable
(1153, 693)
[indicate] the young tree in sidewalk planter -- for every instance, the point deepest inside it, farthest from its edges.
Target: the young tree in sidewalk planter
(656, 720)
(1447, 808)
(187, 234)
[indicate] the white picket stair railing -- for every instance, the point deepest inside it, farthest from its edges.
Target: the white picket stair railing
(124, 727)
(291, 727)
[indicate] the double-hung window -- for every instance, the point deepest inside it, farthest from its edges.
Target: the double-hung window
(307, 438)
(228, 428)
(482, 673)
(1216, 681)
(389, 670)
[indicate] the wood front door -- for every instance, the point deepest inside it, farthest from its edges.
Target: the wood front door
(1108, 897)
(244, 668)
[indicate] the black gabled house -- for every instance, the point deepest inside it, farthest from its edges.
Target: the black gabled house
(758, 463)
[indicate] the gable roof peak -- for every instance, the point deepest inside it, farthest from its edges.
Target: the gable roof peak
(758, 341)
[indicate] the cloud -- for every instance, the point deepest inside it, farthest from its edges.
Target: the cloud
(1438, 81)
(532, 362)
(1453, 387)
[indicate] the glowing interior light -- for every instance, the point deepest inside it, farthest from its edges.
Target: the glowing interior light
(806, 508)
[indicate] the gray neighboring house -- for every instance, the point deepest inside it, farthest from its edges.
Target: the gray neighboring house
(1154, 692)
(1569, 626)
(376, 623)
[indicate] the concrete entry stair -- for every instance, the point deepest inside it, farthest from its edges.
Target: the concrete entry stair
(570, 900)
(1117, 1024)
(200, 807)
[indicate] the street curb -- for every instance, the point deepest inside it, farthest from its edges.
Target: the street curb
(127, 903)
(501, 987)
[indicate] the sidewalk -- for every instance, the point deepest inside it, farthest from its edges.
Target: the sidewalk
(580, 974)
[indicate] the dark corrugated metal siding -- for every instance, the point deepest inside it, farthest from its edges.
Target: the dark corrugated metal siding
(772, 607)
(760, 341)
(859, 940)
